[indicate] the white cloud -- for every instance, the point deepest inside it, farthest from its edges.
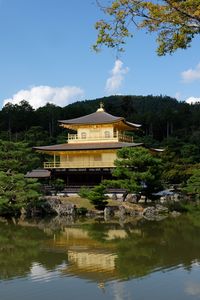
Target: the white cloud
(191, 74)
(118, 72)
(39, 273)
(192, 100)
(193, 289)
(38, 96)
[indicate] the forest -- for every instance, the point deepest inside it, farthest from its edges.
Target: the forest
(166, 123)
(162, 117)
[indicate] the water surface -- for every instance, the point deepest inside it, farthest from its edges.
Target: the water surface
(67, 259)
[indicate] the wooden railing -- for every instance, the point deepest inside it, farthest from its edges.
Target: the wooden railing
(75, 165)
(125, 138)
(115, 137)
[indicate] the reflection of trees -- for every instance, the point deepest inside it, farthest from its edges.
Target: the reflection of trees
(97, 231)
(20, 247)
(161, 245)
(143, 248)
(149, 246)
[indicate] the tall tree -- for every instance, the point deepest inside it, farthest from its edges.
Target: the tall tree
(17, 157)
(137, 170)
(17, 192)
(176, 22)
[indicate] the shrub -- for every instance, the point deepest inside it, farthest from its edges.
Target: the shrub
(84, 192)
(96, 196)
(16, 193)
(81, 211)
(177, 206)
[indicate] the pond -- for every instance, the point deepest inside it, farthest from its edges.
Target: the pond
(96, 259)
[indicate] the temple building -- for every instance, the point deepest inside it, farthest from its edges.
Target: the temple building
(89, 153)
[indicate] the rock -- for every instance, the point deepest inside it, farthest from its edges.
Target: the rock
(122, 210)
(90, 214)
(53, 205)
(162, 209)
(120, 199)
(176, 197)
(33, 211)
(136, 213)
(149, 211)
(114, 197)
(175, 213)
(163, 199)
(152, 212)
(125, 210)
(65, 209)
(142, 199)
(149, 201)
(108, 211)
(132, 198)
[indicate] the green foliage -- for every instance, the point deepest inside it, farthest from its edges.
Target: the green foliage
(175, 22)
(17, 157)
(193, 183)
(180, 206)
(190, 153)
(17, 192)
(84, 192)
(96, 196)
(36, 136)
(81, 211)
(175, 172)
(21, 246)
(136, 170)
(58, 184)
(179, 158)
(17, 117)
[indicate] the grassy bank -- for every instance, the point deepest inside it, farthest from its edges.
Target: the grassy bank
(83, 202)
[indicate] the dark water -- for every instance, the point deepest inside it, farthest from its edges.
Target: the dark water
(136, 259)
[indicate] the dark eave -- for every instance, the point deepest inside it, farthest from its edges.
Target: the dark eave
(85, 146)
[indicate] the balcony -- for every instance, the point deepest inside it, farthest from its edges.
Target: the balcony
(78, 165)
(115, 137)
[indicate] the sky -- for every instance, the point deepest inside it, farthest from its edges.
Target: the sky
(46, 56)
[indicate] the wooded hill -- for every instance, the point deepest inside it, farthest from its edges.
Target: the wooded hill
(161, 117)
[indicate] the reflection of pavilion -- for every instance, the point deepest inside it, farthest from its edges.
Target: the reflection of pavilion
(89, 258)
(80, 234)
(92, 265)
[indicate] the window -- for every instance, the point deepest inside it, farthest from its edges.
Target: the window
(83, 135)
(107, 134)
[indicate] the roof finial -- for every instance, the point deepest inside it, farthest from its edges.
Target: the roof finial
(101, 107)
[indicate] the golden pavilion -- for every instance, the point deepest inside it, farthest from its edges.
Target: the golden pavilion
(90, 151)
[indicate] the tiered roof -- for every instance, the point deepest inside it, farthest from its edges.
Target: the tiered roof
(89, 146)
(97, 118)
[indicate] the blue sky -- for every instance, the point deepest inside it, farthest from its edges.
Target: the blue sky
(46, 55)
